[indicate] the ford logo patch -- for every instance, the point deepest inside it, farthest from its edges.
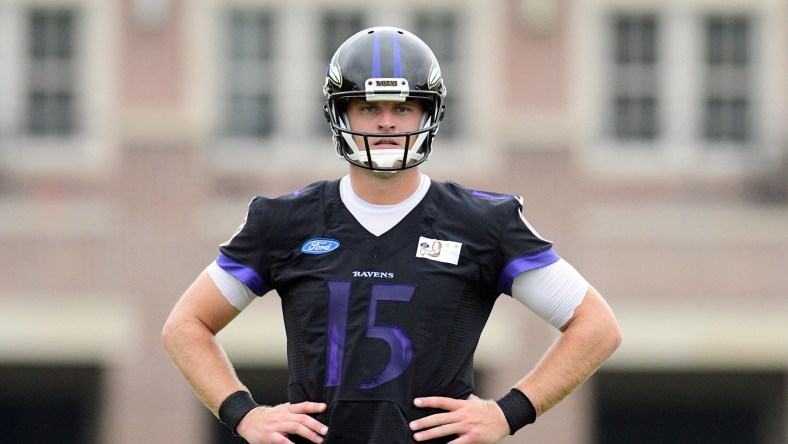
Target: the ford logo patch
(319, 246)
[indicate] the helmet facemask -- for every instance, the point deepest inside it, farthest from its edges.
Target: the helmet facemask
(356, 147)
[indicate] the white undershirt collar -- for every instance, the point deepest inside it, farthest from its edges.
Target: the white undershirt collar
(378, 219)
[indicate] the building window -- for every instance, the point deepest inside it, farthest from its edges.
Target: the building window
(727, 105)
(248, 96)
(56, 81)
(635, 104)
(440, 31)
(51, 94)
(338, 27)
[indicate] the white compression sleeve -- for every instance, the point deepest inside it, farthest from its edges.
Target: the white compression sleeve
(236, 293)
(552, 292)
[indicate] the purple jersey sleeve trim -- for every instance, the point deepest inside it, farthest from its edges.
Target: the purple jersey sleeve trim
(521, 264)
(245, 274)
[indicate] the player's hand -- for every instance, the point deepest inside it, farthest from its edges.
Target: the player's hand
(474, 420)
(271, 425)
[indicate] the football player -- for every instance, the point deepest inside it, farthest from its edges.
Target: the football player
(387, 279)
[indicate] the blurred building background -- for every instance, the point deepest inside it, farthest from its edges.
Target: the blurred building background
(649, 138)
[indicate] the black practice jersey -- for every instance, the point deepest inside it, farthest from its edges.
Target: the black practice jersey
(373, 322)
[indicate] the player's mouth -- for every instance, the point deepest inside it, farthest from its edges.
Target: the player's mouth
(385, 144)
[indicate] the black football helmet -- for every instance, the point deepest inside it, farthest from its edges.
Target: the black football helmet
(384, 64)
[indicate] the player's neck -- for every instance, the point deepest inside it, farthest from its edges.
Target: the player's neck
(384, 188)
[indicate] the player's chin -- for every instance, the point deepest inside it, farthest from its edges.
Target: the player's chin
(389, 172)
(395, 166)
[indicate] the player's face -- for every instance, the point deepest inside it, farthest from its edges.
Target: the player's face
(382, 118)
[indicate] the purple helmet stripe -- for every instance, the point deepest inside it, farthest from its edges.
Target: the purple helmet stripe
(397, 59)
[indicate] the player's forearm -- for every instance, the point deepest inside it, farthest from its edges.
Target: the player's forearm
(585, 344)
(202, 361)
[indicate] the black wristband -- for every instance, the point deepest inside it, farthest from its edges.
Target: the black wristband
(234, 408)
(518, 410)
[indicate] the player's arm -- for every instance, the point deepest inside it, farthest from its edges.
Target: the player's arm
(560, 296)
(189, 338)
(589, 337)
